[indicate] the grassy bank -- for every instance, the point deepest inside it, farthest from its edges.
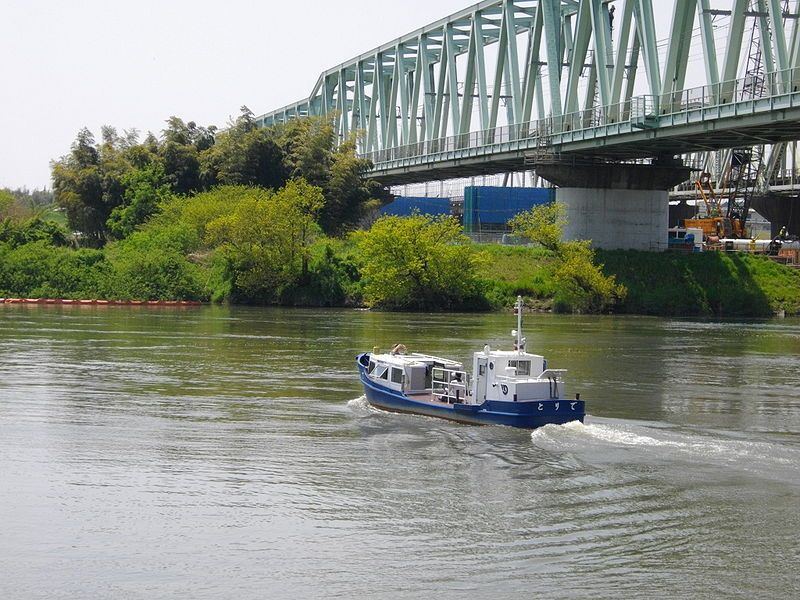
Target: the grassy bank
(511, 271)
(174, 257)
(669, 284)
(703, 284)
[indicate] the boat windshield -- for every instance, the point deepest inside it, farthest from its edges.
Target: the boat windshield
(523, 367)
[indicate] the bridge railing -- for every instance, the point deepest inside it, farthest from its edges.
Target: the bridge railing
(752, 87)
(638, 113)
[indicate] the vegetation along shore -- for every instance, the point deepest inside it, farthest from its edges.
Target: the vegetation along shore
(284, 216)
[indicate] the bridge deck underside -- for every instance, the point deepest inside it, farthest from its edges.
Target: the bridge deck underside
(735, 125)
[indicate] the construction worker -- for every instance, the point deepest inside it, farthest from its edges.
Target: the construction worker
(783, 233)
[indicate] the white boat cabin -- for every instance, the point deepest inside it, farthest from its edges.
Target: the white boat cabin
(497, 375)
(515, 376)
(511, 376)
(420, 375)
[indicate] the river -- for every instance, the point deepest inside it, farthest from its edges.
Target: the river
(223, 452)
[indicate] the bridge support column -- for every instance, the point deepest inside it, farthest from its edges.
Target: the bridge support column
(616, 206)
(781, 211)
(612, 219)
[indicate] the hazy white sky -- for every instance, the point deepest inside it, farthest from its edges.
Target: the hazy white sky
(73, 63)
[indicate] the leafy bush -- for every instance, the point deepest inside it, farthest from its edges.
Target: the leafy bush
(419, 263)
(145, 190)
(18, 233)
(40, 270)
(581, 285)
(266, 241)
(153, 264)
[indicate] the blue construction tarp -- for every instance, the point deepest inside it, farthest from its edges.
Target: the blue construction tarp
(492, 207)
(404, 206)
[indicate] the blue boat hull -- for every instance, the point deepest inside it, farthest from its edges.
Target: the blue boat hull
(527, 415)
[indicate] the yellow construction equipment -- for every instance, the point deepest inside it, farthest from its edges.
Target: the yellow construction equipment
(715, 225)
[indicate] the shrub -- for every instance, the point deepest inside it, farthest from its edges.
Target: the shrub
(152, 264)
(581, 285)
(39, 270)
(419, 263)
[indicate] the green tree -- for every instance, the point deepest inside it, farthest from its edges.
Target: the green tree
(145, 190)
(244, 155)
(78, 188)
(348, 192)
(20, 232)
(420, 263)
(7, 204)
(265, 242)
(22, 202)
(542, 225)
(310, 149)
(181, 167)
(581, 284)
(153, 264)
(188, 134)
(89, 181)
(181, 151)
(308, 145)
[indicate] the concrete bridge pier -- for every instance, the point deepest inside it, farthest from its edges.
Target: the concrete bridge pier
(781, 211)
(616, 206)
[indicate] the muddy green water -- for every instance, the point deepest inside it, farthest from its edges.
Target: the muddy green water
(228, 453)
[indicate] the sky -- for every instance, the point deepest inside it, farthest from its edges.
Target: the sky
(69, 64)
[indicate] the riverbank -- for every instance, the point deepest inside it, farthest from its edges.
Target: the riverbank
(720, 284)
(95, 302)
(710, 284)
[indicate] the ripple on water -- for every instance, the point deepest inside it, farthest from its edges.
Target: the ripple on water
(242, 457)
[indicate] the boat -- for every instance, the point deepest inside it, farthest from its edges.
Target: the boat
(507, 387)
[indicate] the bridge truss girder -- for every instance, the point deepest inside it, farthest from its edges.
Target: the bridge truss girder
(510, 62)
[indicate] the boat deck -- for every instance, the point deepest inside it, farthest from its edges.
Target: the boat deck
(429, 398)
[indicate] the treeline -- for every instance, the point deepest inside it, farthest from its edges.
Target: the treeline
(108, 188)
(247, 214)
(270, 216)
(258, 215)
(25, 199)
(196, 213)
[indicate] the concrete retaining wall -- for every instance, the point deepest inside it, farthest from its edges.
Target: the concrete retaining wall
(616, 219)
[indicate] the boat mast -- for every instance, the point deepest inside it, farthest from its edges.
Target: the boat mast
(518, 332)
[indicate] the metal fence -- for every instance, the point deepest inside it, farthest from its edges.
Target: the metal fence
(639, 112)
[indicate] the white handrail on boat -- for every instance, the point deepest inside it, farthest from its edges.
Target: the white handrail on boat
(450, 383)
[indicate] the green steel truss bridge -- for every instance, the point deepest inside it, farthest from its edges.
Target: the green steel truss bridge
(507, 85)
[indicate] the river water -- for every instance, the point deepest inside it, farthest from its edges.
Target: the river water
(228, 453)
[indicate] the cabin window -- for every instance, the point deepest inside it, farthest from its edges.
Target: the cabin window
(523, 366)
(397, 375)
(481, 369)
(381, 372)
(371, 366)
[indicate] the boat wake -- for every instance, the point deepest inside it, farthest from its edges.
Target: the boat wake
(361, 407)
(605, 441)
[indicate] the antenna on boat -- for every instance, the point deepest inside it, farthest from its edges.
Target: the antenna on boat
(520, 345)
